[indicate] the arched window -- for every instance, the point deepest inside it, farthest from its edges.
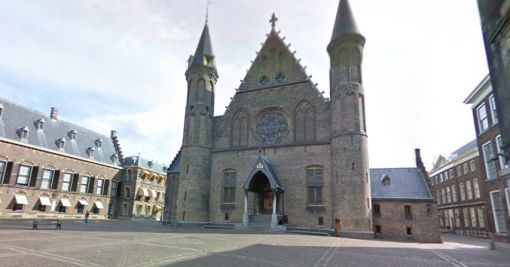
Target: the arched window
(315, 183)
(240, 129)
(304, 121)
(229, 186)
(386, 180)
(200, 91)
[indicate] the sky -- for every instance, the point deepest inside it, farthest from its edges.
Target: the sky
(120, 64)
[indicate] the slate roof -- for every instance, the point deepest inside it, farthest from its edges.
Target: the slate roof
(137, 161)
(87, 144)
(175, 166)
(344, 22)
(204, 50)
(464, 149)
(405, 184)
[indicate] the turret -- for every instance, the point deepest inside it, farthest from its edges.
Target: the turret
(201, 75)
(349, 151)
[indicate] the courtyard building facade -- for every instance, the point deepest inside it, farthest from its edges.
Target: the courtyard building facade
(495, 164)
(142, 189)
(458, 180)
(53, 168)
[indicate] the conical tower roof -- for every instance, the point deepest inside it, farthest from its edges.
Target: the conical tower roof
(344, 23)
(204, 55)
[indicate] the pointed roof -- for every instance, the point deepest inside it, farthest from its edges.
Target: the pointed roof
(263, 165)
(204, 55)
(344, 23)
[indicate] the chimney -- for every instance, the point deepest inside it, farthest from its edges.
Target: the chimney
(54, 113)
(419, 162)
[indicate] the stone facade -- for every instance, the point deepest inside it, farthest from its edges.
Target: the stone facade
(142, 189)
(392, 222)
(281, 148)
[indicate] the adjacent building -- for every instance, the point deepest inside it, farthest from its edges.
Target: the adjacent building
(458, 182)
(403, 205)
(142, 189)
(53, 168)
(495, 165)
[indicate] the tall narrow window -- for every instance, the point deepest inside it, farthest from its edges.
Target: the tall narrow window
(472, 165)
(67, 181)
(448, 195)
(465, 167)
(240, 129)
(304, 121)
(476, 188)
(443, 194)
(498, 212)
(507, 195)
(47, 179)
(84, 184)
(377, 210)
(481, 217)
(468, 190)
(465, 212)
(454, 194)
(483, 121)
(462, 192)
(100, 185)
(494, 113)
(2, 171)
(438, 196)
(113, 191)
(23, 175)
(490, 164)
(229, 187)
(407, 211)
(473, 217)
(127, 192)
(502, 163)
(315, 182)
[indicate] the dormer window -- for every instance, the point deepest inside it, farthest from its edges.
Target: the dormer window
(386, 181)
(60, 143)
(23, 133)
(115, 158)
(150, 163)
(1, 110)
(91, 151)
(99, 142)
(39, 124)
(72, 134)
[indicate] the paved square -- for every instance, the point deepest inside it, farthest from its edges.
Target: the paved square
(142, 243)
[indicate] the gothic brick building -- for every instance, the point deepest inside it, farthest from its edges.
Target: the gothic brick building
(281, 153)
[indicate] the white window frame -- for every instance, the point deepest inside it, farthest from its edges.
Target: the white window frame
(454, 194)
(501, 157)
(27, 176)
(2, 170)
(448, 195)
(100, 185)
(476, 188)
(469, 190)
(472, 165)
(48, 180)
(84, 185)
(494, 216)
(462, 192)
(493, 108)
(507, 196)
(481, 217)
(486, 159)
(481, 128)
(68, 183)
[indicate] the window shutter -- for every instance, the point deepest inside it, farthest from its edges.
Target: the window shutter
(56, 178)
(119, 189)
(33, 178)
(106, 184)
(75, 182)
(8, 171)
(91, 185)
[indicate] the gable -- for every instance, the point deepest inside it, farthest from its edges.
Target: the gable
(274, 66)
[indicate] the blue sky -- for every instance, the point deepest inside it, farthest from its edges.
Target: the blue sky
(120, 64)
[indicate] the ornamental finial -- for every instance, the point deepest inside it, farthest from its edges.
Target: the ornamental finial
(273, 21)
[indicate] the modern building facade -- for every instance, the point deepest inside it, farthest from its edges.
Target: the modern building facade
(458, 180)
(491, 149)
(53, 168)
(141, 189)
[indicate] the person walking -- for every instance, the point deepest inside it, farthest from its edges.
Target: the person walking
(86, 217)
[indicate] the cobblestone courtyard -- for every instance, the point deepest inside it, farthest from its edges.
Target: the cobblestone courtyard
(132, 243)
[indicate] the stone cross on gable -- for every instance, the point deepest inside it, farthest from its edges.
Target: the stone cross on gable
(273, 21)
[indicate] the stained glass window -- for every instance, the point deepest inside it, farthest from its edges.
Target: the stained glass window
(271, 127)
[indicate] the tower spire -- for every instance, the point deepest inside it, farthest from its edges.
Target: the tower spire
(345, 22)
(204, 55)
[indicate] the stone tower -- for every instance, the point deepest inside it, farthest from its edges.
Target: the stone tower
(201, 75)
(349, 152)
